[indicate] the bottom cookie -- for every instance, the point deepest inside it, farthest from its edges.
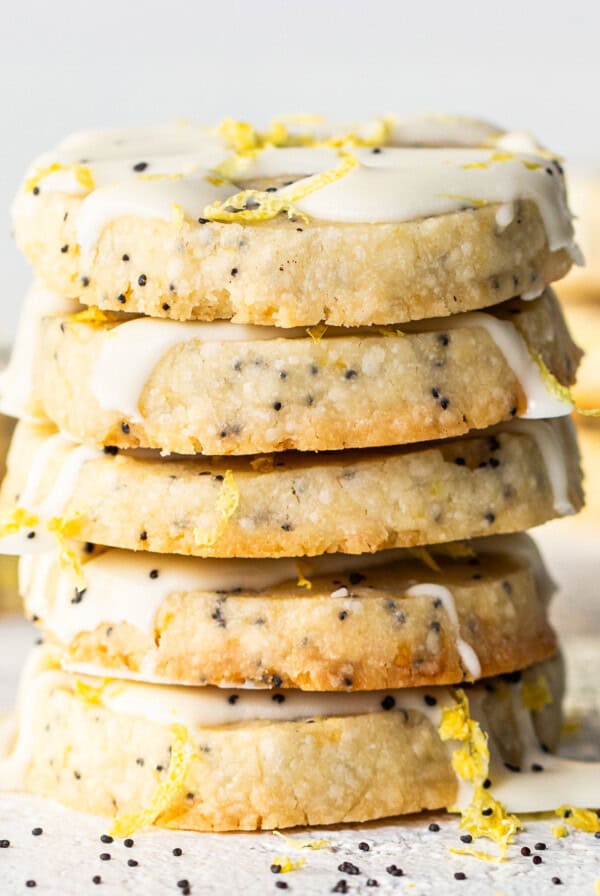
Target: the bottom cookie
(221, 759)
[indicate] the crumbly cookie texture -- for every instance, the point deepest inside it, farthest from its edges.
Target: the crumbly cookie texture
(287, 273)
(310, 394)
(358, 630)
(294, 505)
(255, 775)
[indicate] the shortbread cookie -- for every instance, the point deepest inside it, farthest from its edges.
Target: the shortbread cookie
(387, 234)
(386, 620)
(517, 476)
(214, 759)
(229, 389)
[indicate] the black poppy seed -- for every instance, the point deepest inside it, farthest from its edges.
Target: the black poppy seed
(443, 339)
(388, 703)
(376, 150)
(434, 827)
(125, 428)
(300, 229)
(314, 369)
(597, 835)
(142, 280)
(460, 875)
(435, 626)
(121, 298)
(494, 462)
(31, 534)
(350, 374)
(429, 700)
(283, 374)
(395, 871)
(96, 879)
(340, 887)
(105, 856)
(184, 883)
(79, 595)
(444, 403)
(132, 863)
(511, 767)
(276, 681)
(567, 813)
(36, 191)
(278, 698)
(466, 838)
(550, 172)
(513, 412)
(234, 272)
(4, 844)
(536, 767)
(88, 547)
(487, 812)
(277, 405)
(30, 883)
(77, 775)
(355, 578)
(165, 306)
(371, 882)
(348, 868)
(111, 449)
(364, 846)
(125, 257)
(85, 281)
(490, 517)
(460, 461)
(233, 698)
(556, 880)
(154, 573)
(487, 784)
(537, 860)
(347, 681)
(275, 869)
(525, 851)
(435, 392)
(177, 851)
(140, 166)
(342, 615)
(64, 248)
(540, 846)
(128, 843)
(281, 885)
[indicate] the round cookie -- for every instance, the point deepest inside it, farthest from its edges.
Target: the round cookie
(222, 389)
(518, 476)
(201, 759)
(386, 620)
(395, 234)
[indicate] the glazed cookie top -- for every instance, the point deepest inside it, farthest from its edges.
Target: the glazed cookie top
(383, 171)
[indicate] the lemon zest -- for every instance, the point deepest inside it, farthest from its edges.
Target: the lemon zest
(19, 518)
(226, 505)
(286, 864)
(536, 694)
(83, 175)
(178, 215)
(302, 582)
(559, 830)
(478, 203)
(263, 464)
(90, 693)
(64, 530)
(167, 790)
(582, 819)
(317, 332)
(471, 762)
(476, 854)
(426, 558)
(303, 842)
(560, 391)
(476, 165)
(389, 331)
(532, 166)
(95, 316)
(257, 205)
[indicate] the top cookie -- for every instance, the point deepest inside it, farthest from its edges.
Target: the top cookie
(383, 224)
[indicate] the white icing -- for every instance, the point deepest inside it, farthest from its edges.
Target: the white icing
(468, 656)
(551, 441)
(399, 183)
(55, 500)
(541, 403)
(16, 381)
(130, 351)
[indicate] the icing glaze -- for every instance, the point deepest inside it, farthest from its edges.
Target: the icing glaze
(436, 166)
(131, 350)
(16, 380)
(469, 658)
(551, 443)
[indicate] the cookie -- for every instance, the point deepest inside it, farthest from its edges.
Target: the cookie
(517, 476)
(214, 759)
(386, 234)
(386, 620)
(584, 322)
(227, 389)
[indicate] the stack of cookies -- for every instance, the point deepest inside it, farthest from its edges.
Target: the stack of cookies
(288, 401)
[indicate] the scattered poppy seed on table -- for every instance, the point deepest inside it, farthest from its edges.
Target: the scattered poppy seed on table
(348, 868)
(363, 846)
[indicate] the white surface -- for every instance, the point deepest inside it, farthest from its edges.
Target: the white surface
(67, 66)
(66, 857)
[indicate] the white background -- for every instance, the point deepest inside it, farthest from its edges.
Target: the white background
(67, 65)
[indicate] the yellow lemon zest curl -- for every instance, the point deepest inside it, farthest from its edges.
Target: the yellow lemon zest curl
(471, 762)
(285, 864)
(303, 842)
(167, 790)
(257, 205)
(64, 530)
(303, 582)
(536, 694)
(582, 819)
(426, 557)
(94, 316)
(19, 518)
(227, 503)
(83, 175)
(317, 332)
(558, 390)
